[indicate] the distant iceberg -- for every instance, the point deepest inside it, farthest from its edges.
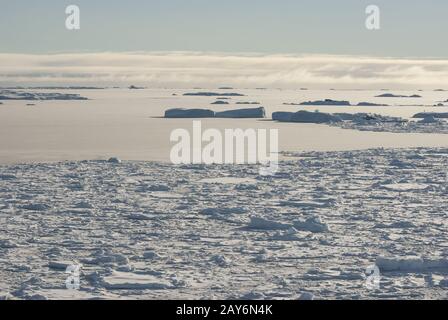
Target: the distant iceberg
(213, 94)
(442, 115)
(220, 102)
(303, 116)
(326, 102)
(371, 104)
(411, 264)
(242, 113)
(189, 113)
(205, 113)
(391, 95)
(33, 96)
(329, 102)
(282, 116)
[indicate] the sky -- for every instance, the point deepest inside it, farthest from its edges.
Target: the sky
(224, 32)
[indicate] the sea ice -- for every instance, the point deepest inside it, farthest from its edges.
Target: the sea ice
(258, 223)
(312, 224)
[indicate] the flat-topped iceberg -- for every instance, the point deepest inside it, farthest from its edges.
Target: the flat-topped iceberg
(411, 264)
(242, 113)
(303, 116)
(205, 113)
(282, 116)
(430, 119)
(440, 115)
(189, 113)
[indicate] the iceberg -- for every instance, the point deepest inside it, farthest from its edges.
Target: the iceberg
(189, 113)
(391, 95)
(326, 102)
(314, 117)
(33, 96)
(410, 264)
(312, 224)
(303, 116)
(213, 94)
(242, 113)
(282, 116)
(440, 115)
(220, 102)
(257, 223)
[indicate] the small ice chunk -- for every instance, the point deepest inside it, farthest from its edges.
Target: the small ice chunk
(83, 205)
(60, 265)
(264, 224)
(150, 255)
(7, 177)
(114, 160)
(306, 296)
(221, 260)
(118, 259)
(312, 224)
(140, 216)
(36, 207)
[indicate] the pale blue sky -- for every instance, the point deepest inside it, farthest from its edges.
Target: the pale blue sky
(409, 28)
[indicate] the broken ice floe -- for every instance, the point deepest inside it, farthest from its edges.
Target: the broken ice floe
(205, 113)
(257, 223)
(365, 121)
(132, 281)
(411, 264)
(311, 224)
(23, 95)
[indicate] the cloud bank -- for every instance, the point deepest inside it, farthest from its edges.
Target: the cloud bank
(210, 70)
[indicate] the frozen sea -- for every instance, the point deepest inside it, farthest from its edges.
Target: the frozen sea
(342, 202)
(127, 123)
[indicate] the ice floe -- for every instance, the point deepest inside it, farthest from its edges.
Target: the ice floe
(257, 223)
(242, 113)
(131, 281)
(205, 113)
(189, 113)
(365, 121)
(23, 95)
(312, 224)
(221, 231)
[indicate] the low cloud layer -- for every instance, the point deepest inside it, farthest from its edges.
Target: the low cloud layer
(190, 69)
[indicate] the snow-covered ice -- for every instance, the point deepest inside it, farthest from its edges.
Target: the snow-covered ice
(155, 230)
